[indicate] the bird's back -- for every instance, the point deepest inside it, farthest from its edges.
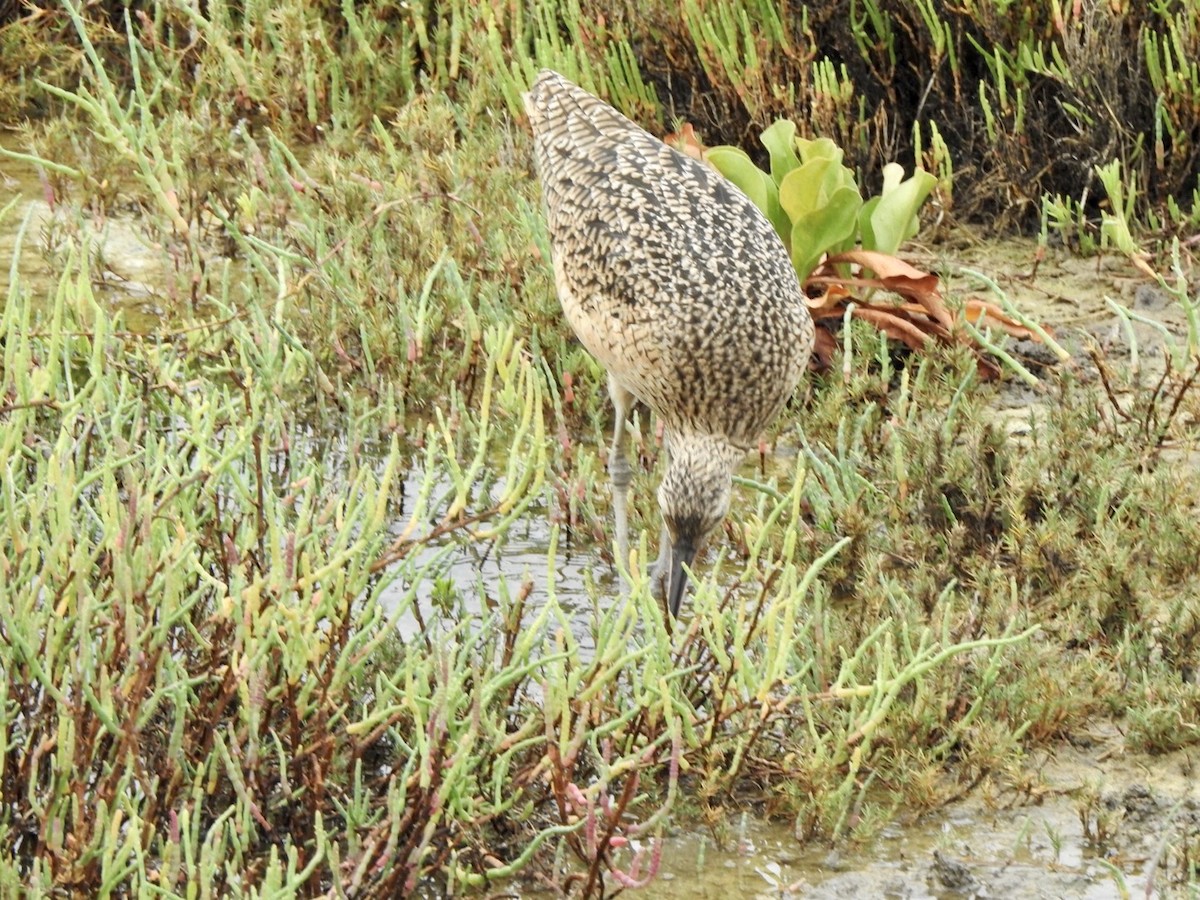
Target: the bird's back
(668, 273)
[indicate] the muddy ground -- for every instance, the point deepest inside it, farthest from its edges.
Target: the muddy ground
(1092, 822)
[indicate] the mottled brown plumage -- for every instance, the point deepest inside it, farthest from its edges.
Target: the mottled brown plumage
(675, 281)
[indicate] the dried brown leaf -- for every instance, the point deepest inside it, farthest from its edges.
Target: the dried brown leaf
(824, 346)
(686, 141)
(982, 313)
(900, 277)
(836, 292)
(893, 326)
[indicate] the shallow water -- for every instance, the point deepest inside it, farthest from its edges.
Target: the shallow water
(1031, 847)
(128, 273)
(520, 557)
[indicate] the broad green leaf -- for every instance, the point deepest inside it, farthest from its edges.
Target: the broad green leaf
(756, 184)
(893, 174)
(865, 228)
(778, 218)
(893, 219)
(825, 149)
(737, 166)
(820, 148)
(800, 190)
(809, 187)
(821, 229)
(780, 141)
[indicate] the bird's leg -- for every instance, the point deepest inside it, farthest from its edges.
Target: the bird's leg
(660, 575)
(619, 469)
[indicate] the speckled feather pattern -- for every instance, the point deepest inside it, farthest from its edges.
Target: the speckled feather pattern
(667, 272)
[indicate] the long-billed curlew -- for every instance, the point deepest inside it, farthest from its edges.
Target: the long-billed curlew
(675, 281)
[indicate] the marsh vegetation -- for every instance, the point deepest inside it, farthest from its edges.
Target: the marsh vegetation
(306, 583)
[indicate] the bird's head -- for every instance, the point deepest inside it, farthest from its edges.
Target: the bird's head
(694, 498)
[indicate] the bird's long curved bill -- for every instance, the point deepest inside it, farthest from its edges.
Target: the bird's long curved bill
(681, 555)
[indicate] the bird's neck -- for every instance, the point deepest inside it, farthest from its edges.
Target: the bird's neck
(682, 443)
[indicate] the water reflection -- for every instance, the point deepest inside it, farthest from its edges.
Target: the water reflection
(968, 849)
(477, 572)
